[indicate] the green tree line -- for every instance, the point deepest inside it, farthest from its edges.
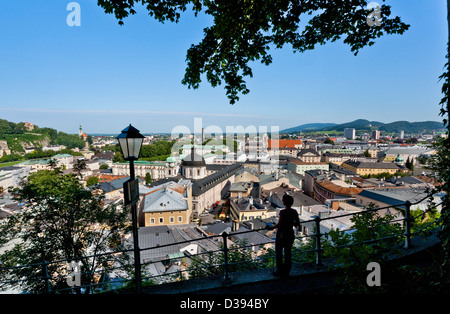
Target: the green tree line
(38, 153)
(159, 150)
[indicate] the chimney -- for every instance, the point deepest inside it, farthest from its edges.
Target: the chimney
(301, 210)
(324, 214)
(252, 226)
(250, 200)
(335, 205)
(235, 226)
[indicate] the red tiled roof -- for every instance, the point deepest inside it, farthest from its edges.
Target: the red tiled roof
(109, 177)
(338, 189)
(284, 143)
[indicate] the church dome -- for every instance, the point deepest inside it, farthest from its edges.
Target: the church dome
(170, 159)
(399, 159)
(193, 160)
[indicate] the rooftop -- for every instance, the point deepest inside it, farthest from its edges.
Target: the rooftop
(168, 197)
(300, 199)
(396, 196)
(338, 189)
(273, 144)
(372, 165)
(62, 156)
(202, 185)
(300, 162)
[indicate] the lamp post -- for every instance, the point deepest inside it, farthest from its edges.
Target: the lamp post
(130, 141)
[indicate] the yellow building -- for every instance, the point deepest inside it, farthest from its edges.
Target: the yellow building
(366, 168)
(167, 204)
(247, 208)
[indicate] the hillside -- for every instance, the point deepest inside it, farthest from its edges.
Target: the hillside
(363, 125)
(18, 136)
(411, 127)
(359, 125)
(308, 127)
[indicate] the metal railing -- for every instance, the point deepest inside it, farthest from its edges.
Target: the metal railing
(223, 268)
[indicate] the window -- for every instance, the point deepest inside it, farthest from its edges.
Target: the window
(161, 220)
(152, 221)
(180, 218)
(172, 220)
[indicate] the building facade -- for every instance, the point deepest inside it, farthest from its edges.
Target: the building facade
(284, 147)
(372, 168)
(350, 133)
(298, 166)
(166, 204)
(157, 169)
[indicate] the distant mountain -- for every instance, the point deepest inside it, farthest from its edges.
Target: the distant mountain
(359, 125)
(308, 127)
(366, 125)
(411, 127)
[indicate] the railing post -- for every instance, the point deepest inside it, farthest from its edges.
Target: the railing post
(46, 276)
(227, 278)
(408, 225)
(318, 245)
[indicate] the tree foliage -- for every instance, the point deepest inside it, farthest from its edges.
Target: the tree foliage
(156, 149)
(441, 163)
(244, 31)
(60, 221)
(92, 181)
(354, 251)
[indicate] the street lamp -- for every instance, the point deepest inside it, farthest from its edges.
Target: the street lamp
(130, 141)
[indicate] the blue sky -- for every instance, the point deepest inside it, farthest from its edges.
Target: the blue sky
(105, 76)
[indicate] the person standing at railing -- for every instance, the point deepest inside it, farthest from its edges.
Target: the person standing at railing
(288, 219)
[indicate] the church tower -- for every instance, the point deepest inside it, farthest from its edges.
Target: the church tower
(193, 166)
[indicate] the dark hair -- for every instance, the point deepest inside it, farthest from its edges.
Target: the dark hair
(288, 200)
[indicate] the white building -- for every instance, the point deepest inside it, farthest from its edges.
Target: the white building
(64, 160)
(11, 176)
(350, 133)
(157, 169)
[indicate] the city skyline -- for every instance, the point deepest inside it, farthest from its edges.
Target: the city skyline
(105, 76)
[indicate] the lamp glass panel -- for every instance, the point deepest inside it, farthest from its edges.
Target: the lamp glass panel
(123, 142)
(136, 148)
(131, 146)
